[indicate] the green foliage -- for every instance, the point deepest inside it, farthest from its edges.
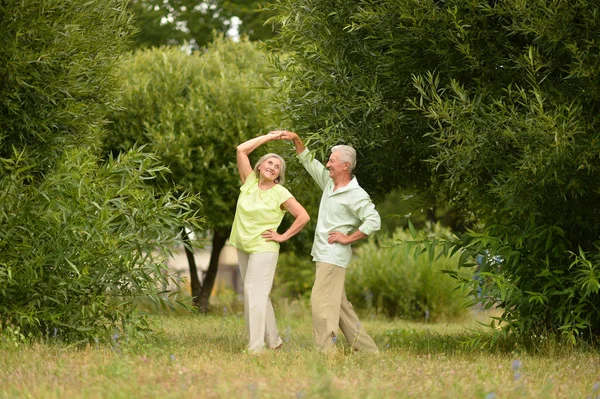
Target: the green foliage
(177, 22)
(401, 206)
(500, 99)
(78, 237)
(399, 281)
(525, 277)
(192, 110)
(518, 142)
(295, 276)
(349, 85)
(57, 75)
(78, 248)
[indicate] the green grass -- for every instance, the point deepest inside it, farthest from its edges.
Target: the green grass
(203, 357)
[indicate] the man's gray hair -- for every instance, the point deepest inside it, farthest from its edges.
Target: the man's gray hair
(347, 154)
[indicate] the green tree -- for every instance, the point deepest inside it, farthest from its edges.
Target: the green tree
(192, 110)
(345, 85)
(78, 236)
(175, 22)
(57, 75)
(491, 104)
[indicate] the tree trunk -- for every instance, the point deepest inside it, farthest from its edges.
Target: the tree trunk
(431, 214)
(194, 280)
(219, 238)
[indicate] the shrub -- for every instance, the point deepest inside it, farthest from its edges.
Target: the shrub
(542, 287)
(57, 76)
(77, 250)
(77, 237)
(395, 280)
(294, 278)
(192, 110)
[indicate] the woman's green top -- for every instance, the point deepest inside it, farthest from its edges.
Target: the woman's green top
(256, 212)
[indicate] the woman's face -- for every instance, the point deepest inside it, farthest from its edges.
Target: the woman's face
(270, 168)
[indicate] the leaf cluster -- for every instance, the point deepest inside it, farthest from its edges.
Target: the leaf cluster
(192, 110)
(80, 247)
(57, 74)
(492, 104)
(78, 236)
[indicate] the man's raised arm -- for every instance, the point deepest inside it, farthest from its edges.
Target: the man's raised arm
(294, 138)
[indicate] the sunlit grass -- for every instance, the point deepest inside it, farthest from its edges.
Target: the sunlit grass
(203, 357)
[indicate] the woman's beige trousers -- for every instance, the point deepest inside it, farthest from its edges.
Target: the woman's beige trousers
(258, 271)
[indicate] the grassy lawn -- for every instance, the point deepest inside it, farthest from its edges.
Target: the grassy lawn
(203, 357)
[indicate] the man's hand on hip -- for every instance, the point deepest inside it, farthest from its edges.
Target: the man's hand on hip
(336, 236)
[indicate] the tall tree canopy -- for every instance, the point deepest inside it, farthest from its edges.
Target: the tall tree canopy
(77, 236)
(175, 22)
(350, 85)
(57, 75)
(192, 110)
(495, 104)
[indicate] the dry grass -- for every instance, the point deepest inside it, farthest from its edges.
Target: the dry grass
(203, 357)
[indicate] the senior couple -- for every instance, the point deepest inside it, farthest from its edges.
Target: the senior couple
(346, 214)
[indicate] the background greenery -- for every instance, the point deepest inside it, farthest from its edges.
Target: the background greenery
(189, 22)
(488, 109)
(398, 281)
(491, 106)
(78, 235)
(193, 110)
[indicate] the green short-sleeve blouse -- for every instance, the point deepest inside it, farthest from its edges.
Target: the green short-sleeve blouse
(256, 212)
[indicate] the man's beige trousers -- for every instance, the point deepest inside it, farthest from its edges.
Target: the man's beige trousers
(258, 271)
(331, 309)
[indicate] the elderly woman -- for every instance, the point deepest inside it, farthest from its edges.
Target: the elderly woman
(260, 208)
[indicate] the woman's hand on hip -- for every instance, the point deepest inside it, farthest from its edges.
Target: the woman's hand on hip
(272, 235)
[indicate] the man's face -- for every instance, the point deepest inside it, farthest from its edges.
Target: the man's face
(336, 166)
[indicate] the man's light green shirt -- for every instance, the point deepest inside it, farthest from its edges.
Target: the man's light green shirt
(344, 210)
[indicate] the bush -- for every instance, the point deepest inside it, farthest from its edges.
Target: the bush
(393, 279)
(77, 238)
(57, 76)
(294, 277)
(77, 250)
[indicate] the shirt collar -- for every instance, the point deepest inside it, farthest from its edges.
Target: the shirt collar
(350, 186)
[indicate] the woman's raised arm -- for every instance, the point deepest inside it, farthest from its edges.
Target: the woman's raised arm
(244, 149)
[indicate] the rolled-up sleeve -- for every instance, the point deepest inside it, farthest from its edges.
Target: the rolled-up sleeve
(368, 215)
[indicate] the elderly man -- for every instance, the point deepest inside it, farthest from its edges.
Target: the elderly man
(346, 214)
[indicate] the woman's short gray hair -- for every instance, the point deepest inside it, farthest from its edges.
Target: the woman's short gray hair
(281, 178)
(347, 154)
